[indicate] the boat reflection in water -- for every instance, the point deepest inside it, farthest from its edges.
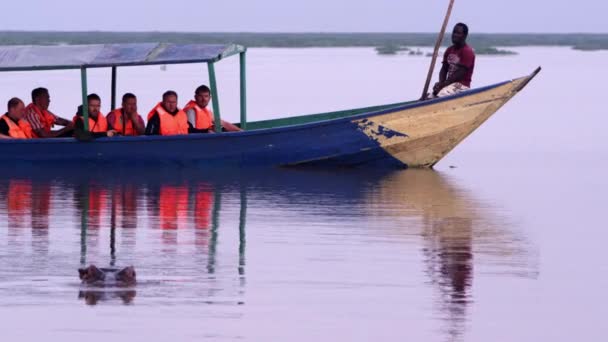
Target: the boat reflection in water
(459, 234)
(167, 224)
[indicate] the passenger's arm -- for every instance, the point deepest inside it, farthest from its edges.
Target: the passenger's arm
(191, 114)
(443, 74)
(229, 127)
(54, 134)
(138, 124)
(153, 127)
(457, 76)
(4, 130)
(62, 122)
(191, 129)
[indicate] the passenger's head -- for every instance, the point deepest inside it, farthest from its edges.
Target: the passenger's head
(129, 103)
(16, 108)
(202, 96)
(460, 34)
(94, 105)
(41, 98)
(170, 101)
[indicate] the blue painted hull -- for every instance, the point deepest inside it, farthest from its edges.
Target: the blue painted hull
(336, 142)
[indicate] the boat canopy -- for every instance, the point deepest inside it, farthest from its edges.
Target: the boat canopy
(83, 57)
(40, 57)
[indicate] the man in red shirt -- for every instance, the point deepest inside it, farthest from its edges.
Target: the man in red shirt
(458, 64)
(42, 120)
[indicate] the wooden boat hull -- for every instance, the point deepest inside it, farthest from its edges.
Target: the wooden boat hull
(407, 135)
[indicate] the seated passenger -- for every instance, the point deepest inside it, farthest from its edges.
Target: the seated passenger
(12, 123)
(166, 119)
(98, 125)
(200, 116)
(126, 120)
(458, 64)
(42, 120)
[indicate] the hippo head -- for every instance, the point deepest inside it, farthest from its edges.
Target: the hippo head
(107, 277)
(126, 275)
(91, 274)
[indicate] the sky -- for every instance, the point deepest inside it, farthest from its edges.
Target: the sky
(491, 16)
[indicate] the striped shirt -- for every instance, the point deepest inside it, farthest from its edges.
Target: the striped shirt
(34, 119)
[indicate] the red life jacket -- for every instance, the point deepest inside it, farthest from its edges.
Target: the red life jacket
(204, 116)
(22, 130)
(46, 118)
(170, 124)
(127, 129)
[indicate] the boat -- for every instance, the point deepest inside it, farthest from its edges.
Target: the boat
(398, 135)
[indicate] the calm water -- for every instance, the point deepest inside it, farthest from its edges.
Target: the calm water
(507, 246)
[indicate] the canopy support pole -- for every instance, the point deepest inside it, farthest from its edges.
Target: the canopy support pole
(217, 121)
(242, 237)
(243, 91)
(215, 224)
(84, 222)
(113, 104)
(85, 103)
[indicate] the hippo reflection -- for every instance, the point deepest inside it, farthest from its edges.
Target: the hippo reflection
(101, 284)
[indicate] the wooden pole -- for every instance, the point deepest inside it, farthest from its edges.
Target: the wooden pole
(436, 52)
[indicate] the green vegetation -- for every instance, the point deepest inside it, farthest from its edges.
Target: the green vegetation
(385, 43)
(494, 51)
(391, 49)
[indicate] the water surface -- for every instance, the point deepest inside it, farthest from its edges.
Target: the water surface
(507, 246)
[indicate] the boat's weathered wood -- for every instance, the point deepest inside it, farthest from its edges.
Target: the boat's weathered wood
(431, 131)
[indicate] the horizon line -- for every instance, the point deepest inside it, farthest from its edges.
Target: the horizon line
(292, 32)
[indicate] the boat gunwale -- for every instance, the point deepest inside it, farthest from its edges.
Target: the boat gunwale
(262, 131)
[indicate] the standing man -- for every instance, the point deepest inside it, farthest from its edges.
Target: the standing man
(12, 124)
(458, 64)
(126, 120)
(42, 120)
(200, 116)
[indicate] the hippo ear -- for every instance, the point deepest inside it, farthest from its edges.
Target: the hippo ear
(127, 273)
(82, 272)
(130, 271)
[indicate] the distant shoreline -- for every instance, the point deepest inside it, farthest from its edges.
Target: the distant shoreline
(385, 43)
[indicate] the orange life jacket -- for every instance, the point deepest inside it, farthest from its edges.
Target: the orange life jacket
(46, 118)
(170, 124)
(98, 198)
(204, 116)
(99, 126)
(19, 202)
(127, 129)
(124, 205)
(173, 206)
(41, 206)
(202, 209)
(22, 130)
